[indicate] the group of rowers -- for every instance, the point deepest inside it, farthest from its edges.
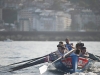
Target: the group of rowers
(62, 48)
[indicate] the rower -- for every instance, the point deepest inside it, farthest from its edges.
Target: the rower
(77, 50)
(68, 45)
(90, 55)
(60, 52)
(83, 52)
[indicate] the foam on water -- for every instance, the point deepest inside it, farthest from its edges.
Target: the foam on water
(90, 73)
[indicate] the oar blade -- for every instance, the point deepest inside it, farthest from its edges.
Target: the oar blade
(43, 69)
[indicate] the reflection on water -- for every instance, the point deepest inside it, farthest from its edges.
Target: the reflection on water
(12, 52)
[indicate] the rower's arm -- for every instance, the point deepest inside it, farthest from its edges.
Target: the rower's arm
(86, 54)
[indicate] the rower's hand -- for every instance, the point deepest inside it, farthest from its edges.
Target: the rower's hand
(62, 57)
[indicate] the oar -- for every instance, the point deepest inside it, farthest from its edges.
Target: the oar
(28, 64)
(97, 56)
(23, 61)
(45, 67)
(94, 57)
(23, 64)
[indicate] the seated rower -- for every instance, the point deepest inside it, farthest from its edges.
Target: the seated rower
(69, 46)
(92, 56)
(61, 50)
(59, 53)
(77, 50)
(83, 52)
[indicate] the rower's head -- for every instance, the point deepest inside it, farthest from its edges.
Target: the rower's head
(60, 43)
(83, 50)
(79, 45)
(67, 40)
(61, 48)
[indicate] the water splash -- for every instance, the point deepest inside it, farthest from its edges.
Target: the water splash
(90, 73)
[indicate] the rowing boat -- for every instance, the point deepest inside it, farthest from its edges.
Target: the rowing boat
(72, 64)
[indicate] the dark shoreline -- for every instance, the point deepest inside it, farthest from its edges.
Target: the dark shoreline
(49, 36)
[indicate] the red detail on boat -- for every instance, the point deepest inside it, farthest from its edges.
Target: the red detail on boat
(67, 62)
(82, 61)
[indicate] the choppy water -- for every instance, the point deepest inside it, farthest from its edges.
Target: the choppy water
(12, 52)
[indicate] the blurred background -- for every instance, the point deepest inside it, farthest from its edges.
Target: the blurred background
(50, 20)
(32, 28)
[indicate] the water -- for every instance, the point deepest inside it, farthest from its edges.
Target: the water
(12, 52)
